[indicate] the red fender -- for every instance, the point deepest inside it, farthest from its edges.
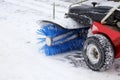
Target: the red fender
(112, 34)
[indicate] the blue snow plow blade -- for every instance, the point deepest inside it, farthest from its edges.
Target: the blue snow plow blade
(56, 40)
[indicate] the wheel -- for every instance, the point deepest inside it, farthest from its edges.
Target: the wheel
(98, 53)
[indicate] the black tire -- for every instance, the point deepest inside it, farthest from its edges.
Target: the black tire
(98, 53)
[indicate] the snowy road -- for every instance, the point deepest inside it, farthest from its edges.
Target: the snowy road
(19, 56)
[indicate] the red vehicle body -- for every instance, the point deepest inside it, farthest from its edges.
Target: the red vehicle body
(101, 48)
(111, 33)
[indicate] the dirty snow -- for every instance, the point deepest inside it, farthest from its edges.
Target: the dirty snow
(19, 55)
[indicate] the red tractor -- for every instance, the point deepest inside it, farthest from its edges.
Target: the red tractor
(101, 48)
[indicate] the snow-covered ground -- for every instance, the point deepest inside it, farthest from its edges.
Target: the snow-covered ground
(19, 55)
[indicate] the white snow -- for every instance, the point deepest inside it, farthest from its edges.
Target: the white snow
(19, 55)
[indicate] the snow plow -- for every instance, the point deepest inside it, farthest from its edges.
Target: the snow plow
(99, 49)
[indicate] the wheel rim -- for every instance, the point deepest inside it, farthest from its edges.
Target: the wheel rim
(93, 54)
